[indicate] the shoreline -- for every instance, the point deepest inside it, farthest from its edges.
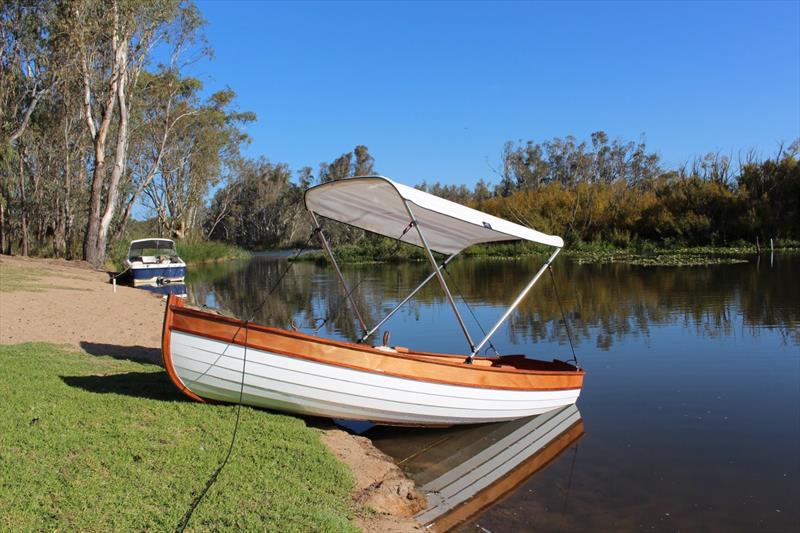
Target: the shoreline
(68, 303)
(646, 256)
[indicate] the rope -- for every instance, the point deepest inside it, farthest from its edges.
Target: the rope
(569, 479)
(213, 478)
(117, 276)
(344, 305)
(469, 308)
(563, 316)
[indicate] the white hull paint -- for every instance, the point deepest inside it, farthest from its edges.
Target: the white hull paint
(213, 369)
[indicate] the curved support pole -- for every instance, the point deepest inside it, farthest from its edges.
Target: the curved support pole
(438, 272)
(514, 305)
(328, 250)
(406, 299)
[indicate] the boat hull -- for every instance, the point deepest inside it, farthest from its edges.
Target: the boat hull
(211, 358)
(151, 274)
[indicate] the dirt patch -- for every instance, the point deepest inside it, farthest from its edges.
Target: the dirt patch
(65, 302)
(380, 485)
(69, 303)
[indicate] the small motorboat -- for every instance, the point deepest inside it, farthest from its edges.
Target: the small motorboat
(152, 261)
(213, 357)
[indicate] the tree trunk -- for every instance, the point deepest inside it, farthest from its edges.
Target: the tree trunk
(93, 225)
(2, 227)
(91, 251)
(119, 162)
(64, 215)
(23, 209)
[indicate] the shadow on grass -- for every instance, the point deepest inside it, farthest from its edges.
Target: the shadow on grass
(150, 385)
(138, 354)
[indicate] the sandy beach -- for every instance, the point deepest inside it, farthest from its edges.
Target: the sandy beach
(68, 303)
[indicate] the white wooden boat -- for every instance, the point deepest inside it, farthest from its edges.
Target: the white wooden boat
(211, 357)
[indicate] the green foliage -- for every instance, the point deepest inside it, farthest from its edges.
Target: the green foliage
(206, 251)
(96, 444)
(372, 249)
(261, 207)
(618, 194)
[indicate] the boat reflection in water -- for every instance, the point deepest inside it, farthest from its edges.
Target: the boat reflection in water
(465, 470)
(164, 289)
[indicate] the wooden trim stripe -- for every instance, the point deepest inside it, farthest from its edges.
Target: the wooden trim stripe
(508, 373)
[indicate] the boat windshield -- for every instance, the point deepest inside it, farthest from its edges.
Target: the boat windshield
(152, 247)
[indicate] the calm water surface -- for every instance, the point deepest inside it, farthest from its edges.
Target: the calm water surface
(691, 407)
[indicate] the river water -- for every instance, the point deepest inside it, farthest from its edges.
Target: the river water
(690, 414)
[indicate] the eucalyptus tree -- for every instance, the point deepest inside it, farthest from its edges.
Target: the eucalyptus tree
(26, 75)
(202, 144)
(110, 43)
(256, 208)
(166, 101)
(364, 164)
(25, 78)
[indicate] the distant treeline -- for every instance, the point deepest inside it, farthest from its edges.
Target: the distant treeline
(620, 193)
(92, 130)
(606, 191)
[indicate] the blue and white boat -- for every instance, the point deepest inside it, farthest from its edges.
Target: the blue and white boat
(154, 261)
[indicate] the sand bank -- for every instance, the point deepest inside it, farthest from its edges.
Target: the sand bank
(66, 302)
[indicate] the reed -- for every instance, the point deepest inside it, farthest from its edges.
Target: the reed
(208, 251)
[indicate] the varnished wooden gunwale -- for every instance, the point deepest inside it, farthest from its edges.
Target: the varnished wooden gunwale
(421, 366)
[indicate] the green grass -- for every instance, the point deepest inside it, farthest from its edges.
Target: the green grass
(13, 278)
(16, 278)
(205, 251)
(98, 444)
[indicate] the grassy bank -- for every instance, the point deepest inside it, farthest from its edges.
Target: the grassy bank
(644, 253)
(194, 251)
(208, 251)
(97, 444)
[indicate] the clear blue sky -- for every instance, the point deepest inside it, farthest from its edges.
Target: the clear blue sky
(435, 89)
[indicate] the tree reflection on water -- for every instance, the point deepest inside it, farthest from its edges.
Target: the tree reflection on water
(603, 302)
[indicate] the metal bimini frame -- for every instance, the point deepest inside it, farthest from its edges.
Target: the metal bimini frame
(328, 250)
(437, 272)
(514, 305)
(406, 299)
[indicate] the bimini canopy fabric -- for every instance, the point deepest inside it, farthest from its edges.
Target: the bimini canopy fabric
(377, 204)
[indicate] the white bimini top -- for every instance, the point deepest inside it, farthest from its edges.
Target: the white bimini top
(378, 204)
